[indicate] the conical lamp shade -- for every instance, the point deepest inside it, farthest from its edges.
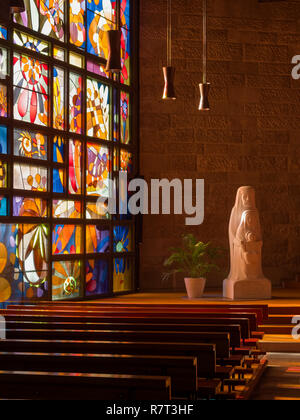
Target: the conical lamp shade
(204, 92)
(169, 90)
(114, 51)
(16, 6)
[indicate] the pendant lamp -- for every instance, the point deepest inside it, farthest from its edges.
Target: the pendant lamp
(16, 6)
(204, 86)
(114, 47)
(169, 71)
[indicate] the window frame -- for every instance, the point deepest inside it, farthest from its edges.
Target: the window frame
(50, 131)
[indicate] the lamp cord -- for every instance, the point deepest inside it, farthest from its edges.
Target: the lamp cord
(204, 40)
(169, 33)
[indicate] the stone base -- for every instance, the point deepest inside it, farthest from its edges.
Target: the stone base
(247, 289)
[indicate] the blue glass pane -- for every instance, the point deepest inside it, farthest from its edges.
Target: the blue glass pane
(97, 277)
(3, 206)
(58, 186)
(3, 32)
(58, 149)
(3, 139)
(122, 239)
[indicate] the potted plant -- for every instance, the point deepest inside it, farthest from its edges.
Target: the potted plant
(195, 260)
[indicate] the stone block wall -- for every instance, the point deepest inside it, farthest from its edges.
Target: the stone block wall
(251, 136)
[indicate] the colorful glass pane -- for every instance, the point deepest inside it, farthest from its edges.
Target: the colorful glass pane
(29, 207)
(66, 279)
(67, 239)
(75, 167)
(125, 118)
(116, 115)
(3, 63)
(44, 16)
(76, 60)
(30, 144)
(97, 211)
(58, 149)
(97, 239)
(31, 43)
(32, 253)
(30, 90)
(98, 170)
(75, 105)
(30, 178)
(122, 279)
(3, 101)
(3, 206)
(126, 159)
(122, 239)
(58, 181)
(3, 32)
(125, 13)
(105, 8)
(98, 109)
(124, 213)
(3, 139)
(116, 159)
(97, 69)
(3, 174)
(59, 53)
(125, 57)
(77, 23)
(67, 209)
(97, 280)
(97, 41)
(58, 98)
(8, 262)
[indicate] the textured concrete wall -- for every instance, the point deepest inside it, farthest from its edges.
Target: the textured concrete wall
(250, 136)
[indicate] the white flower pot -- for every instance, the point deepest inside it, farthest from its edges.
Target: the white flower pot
(194, 287)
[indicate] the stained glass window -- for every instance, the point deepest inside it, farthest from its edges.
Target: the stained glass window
(98, 110)
(58, 98)
(31, 86)
(3, 32)
(66, 131)
(44, 16)
(33, 44)
(3, 101)
(75, 103)
(30, 144)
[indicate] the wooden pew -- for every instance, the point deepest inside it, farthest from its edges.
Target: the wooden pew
(88, 320)
(87, 386)
(150, 315)
(234, 330)
(262, 311)
(205, 353)
(221, 340)
(181, 370)
(136, 311)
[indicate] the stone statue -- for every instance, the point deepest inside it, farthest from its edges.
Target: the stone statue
(246, 279)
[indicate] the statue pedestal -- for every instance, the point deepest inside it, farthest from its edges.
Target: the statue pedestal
(247, 289)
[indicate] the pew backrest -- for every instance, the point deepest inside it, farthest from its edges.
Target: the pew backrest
(205, 353)
(181, 369)
(87, 386)
(220, 339)
(234, 330)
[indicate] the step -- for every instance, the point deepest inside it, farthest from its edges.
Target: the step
(284, 310)
(279, 344)
(279, 320)
(277, 329)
